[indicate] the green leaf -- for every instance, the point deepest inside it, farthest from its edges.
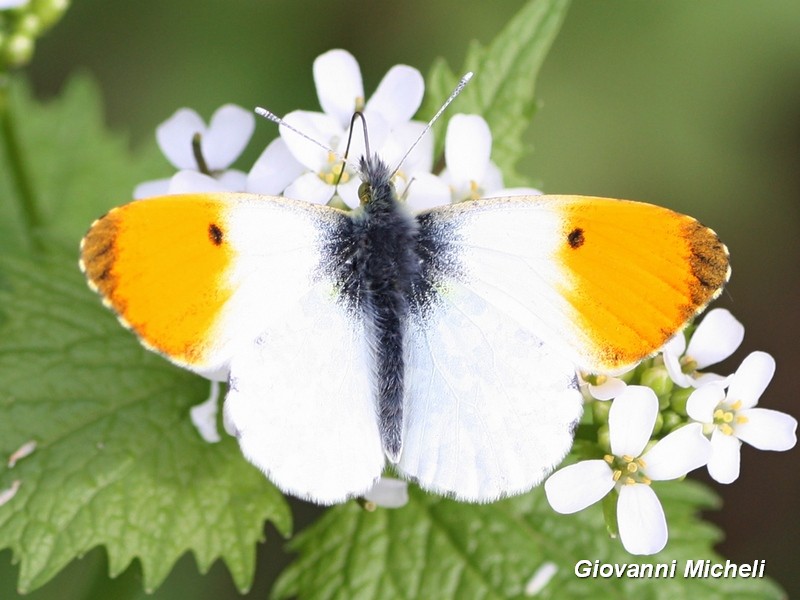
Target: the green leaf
(118, 463)
(77, 168)
(502, 90)
(437, 548)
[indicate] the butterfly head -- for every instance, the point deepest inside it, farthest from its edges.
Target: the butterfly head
(376, 189)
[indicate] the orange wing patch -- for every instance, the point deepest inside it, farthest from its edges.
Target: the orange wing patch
(639, 273)
(160, 264)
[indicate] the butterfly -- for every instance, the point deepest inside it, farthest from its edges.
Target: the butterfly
(446, 342)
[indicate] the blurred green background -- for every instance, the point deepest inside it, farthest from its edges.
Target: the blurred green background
(692, 105)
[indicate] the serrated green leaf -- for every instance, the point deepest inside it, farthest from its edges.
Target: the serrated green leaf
(117, 462)
(437, 548)
(78, 169)
(502, 90)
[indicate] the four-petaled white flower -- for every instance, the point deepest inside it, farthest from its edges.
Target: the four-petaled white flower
(202, 153)
(717, 337)
(388, 116)
(731, 418)
(470, 174)
(630, 469)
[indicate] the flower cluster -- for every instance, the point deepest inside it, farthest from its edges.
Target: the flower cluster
(295, 167)
(667, 418)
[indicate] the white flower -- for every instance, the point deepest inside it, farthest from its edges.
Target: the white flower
(731, 418)
(388, 493)
(717, 337)
(470, 173)
(219, 144)
(640, 518)
(604, 387)
(388, 112)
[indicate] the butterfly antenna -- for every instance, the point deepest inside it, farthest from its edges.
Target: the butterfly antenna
(357, 115)
(267, 114)
(461, 84)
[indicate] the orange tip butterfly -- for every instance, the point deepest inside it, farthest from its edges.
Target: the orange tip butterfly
(445, 341)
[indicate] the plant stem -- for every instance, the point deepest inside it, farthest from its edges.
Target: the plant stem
(20, 176)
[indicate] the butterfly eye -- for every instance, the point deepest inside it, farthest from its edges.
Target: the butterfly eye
(364, 192)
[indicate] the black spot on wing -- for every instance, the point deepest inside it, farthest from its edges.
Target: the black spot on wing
(215, 234)
(576, 238)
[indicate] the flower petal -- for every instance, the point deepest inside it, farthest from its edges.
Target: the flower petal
(704, 401)
(348, 192)
(318, 126)
(492, 181)
(767, 429)
(388, 493)
(340, 88)
(174, 137)
(425, 191)
(274, 169)
(577, 486)
(467, 147)
(399, 95)
(681, 451)
(723, 465)
(610, 388)
(189, 182)
(204, 415)
(631, 419)
(717, 336)
(233, 180)
(751, 379)
(671, 353)
(310, 188)
(641, 521)
(149, 189)
(398, 143)
(228, 134)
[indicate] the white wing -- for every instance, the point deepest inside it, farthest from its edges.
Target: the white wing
(301, 402)
(490, 410)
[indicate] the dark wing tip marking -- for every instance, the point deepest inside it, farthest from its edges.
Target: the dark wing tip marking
(709, 262)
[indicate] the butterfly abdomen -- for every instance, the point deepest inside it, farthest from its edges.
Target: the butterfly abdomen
(385, 266)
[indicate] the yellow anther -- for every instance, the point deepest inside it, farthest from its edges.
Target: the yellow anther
(600, 379)
(736, 405)
(617, 474)
(641, 463)
(726, 429)
(727, 417)
(630, 481)
(632, 467)
(608, 458)
(627, 458)
(359, 102)
(474, 190)
(719, 413)
(645, 480)
(741, 419)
